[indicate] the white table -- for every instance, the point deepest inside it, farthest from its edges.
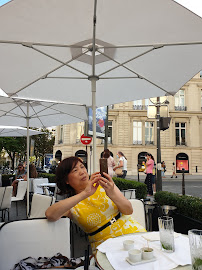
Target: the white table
(104, 263)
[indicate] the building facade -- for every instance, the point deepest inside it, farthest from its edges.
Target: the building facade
(133, 133)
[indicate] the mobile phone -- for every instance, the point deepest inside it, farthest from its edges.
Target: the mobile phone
(103, 166)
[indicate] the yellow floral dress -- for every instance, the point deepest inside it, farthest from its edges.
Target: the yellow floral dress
(95, 211)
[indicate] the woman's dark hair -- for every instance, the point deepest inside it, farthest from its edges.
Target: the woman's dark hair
(32, 171)
(150, 155)
(120, 153)
(62, 171)
(106, 153)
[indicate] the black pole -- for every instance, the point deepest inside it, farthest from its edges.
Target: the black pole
(106, 130)
(183, 182)
(159, 178)
(138, 175)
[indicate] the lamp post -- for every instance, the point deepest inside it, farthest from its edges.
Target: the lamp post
(155, 112)
(159, 178)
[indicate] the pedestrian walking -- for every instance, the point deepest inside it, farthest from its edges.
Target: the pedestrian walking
(174, 171)
(149, 169)
(163, 169)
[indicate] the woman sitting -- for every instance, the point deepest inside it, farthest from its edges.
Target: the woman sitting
(95, 204)
(21, 174)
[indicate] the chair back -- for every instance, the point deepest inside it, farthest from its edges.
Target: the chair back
(40, 204)
(138, 211)
(22, 188)
(5, 197)
(36, 182)
(129, 193)
(33, 237)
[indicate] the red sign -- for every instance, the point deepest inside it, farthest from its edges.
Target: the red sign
(85, 139)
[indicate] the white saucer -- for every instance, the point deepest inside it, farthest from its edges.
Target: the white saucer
(140, 262)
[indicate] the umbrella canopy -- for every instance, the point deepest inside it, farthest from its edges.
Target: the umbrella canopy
(97, 52)
(38, 114)
(12, 131)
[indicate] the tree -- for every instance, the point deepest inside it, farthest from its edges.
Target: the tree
(13, 146)
(43, 144)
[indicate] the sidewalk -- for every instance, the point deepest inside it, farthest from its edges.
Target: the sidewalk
(142, 176)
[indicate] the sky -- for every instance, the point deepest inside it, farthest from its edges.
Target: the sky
(193, 5)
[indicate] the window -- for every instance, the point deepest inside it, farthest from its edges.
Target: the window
(60, 137)
(201, 99)
(180, 133)
(137, 105)
(80, 131)
(149, 132)
(180, 101)
(148, 102)
(137, 132)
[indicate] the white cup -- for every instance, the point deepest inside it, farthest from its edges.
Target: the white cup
(147, 253)
(135, 255)
(128, 244)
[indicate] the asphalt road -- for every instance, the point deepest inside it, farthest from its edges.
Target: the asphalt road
(193, 184)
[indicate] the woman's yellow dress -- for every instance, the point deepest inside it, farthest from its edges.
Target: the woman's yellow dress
(95, 211)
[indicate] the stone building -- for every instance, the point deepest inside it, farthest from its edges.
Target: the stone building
(131, 132)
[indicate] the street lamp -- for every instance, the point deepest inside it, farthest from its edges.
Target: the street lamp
(160, 108)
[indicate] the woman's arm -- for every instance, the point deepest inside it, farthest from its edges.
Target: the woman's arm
(115, 195)
(119, 166)
(62, 208)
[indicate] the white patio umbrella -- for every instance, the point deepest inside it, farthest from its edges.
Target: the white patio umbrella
(14, 131)
(32, 113)
(97, 52)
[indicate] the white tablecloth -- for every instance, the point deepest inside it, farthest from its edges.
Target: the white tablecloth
(116, 255)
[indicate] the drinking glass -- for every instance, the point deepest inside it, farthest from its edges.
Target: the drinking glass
(195, 241)
(166, 230)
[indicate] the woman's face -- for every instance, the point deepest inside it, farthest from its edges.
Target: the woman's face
(78, 177)
(148, 157)
(20, 168)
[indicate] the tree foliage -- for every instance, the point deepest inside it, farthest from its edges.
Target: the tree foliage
(43, 144)
(13, 145)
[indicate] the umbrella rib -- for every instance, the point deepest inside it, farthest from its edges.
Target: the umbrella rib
(122, 64)
(58, 111)
(77, 78)
(42, 44)
(43, 76)
(101, 47)
(36, 116)
(140, 76)
(6, 112)
(157, 45)
(61, 62)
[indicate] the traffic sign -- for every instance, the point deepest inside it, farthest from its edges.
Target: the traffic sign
(85, 139)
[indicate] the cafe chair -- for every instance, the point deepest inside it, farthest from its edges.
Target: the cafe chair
(33, 238)
(138, 211)
(5, 201)
(129, 193)
(40, 204)
(21, 191)
(37, 182)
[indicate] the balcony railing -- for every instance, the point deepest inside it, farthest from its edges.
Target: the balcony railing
(137, 142)
(180, 108)
(181, 144)
(139, 107)
(149, 142)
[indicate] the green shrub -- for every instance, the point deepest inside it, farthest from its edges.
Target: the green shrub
(50, 176)
(141, 189)
(186, 205)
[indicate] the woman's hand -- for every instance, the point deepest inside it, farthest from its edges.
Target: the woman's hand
(107, 183)
(92, 185)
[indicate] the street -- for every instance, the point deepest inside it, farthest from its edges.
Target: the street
(193, 184)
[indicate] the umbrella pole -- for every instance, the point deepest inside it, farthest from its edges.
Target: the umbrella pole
(27, 119)
(93, 85)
